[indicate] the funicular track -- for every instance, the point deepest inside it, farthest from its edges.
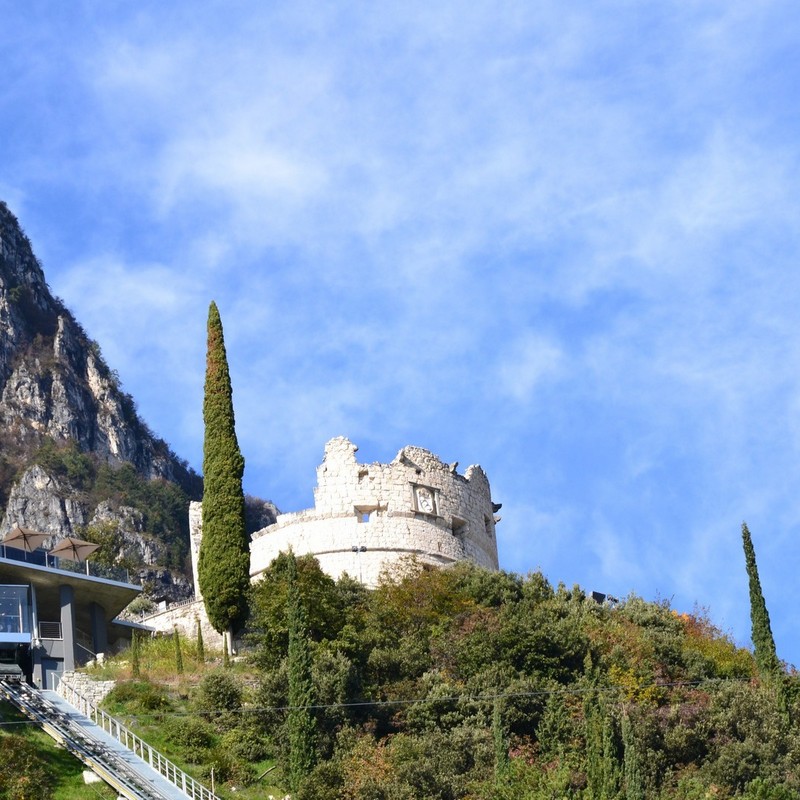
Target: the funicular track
(123, 770)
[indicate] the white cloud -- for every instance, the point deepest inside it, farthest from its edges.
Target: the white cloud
(561, 240)
(525, 363)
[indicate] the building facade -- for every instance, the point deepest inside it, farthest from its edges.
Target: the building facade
(53, 620)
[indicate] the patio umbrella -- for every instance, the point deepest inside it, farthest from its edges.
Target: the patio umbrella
(24, 539)
(74, 549)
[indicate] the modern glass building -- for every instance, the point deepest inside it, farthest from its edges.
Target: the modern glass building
(53, 620)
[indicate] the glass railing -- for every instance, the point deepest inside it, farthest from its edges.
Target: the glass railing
(15, 554)
(91, 568)
(43, 559)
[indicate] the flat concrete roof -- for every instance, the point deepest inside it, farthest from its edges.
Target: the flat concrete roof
(113, 596)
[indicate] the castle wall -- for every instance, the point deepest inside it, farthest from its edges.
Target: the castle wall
(184, 617)
(368, 516)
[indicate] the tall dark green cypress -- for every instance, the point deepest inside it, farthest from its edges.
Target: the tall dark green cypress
(201, 649)
(224, 562)
(178, 654)
(136, 667)
(500, 739)
(593, 721)
(632, 767)
(763, 641)
(300, 724)
(603, 767)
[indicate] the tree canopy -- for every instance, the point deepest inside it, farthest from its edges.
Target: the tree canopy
(763, 640)
(224, 560)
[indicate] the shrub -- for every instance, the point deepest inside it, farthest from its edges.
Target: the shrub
(141, 694)
(760, 789)
(246, 744)
(219, 697)
(23, 776)
(227, 768)
(188, 732)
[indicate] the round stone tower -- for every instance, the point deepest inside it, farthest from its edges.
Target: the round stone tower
(368, 516)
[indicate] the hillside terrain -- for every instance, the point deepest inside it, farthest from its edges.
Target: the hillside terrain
(75, 456)
(469, 685)
(457, 684)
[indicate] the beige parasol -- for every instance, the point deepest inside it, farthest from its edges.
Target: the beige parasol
(73, 549)
(24, 539)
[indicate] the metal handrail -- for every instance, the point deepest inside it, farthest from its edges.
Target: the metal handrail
(170, 607)
(117, 773)
(173, 773)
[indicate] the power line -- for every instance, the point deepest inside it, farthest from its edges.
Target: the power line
(450, 698)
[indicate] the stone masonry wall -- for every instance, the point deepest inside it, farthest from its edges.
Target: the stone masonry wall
(85, 685)
(184, 617)
(368, 516)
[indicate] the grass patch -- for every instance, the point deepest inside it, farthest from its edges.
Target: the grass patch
(64, 773)
(192, 717)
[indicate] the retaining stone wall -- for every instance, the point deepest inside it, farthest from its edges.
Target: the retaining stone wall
(93, 690)
(184, 617)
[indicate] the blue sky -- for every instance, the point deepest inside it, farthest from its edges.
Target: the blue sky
(558, 240)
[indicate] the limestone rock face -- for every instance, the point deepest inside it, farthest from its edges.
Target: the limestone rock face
(37, 501)
(53, 380)
(56, 390)
(40, 502)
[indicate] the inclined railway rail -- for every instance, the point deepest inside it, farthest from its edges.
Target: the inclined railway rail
(124, 771)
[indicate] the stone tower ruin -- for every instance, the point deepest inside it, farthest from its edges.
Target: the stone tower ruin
(367, 517)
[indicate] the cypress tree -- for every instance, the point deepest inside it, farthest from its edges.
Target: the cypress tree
(593, 734)
(300, 723)
(136, 668)
(499, 738)
(634, 784)
(603, 768)
(612, 777)
(201, 649)
(763, 642)
(178, 654)
(224, 562)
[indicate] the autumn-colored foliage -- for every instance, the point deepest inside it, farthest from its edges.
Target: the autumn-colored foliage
(467, 684)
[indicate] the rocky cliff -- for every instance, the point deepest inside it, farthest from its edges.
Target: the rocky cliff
(53, 380)
(74, 455)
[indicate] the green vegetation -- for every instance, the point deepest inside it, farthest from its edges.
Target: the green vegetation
(33, 767)
(300, 722)
(205, 717)
(178, 652)
(461, 684)
(224, 562)
(134, 653)
(467, 684)
(201, 650)
(763, 641)
(163, 505)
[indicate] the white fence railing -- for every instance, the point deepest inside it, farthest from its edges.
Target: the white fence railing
(167, 606)
(174, 774)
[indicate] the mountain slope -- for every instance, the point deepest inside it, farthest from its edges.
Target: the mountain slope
(75, 457)
(53, 380)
